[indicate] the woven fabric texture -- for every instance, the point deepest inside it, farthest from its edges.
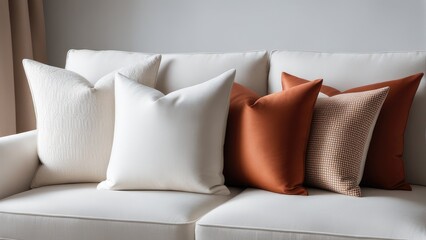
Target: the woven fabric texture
(340, 136)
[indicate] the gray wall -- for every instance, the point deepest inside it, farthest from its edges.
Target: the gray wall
(234, 25)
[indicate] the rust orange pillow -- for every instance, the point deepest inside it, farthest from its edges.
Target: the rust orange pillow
(267, 136)
(384, 167)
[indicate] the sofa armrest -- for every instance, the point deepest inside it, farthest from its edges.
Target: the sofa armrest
(18, 162)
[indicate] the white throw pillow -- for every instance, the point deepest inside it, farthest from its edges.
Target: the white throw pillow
(169, 142)
(75, 120)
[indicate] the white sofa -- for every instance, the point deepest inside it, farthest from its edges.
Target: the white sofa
(79, 211)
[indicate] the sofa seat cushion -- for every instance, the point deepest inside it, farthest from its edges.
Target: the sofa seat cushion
(79, 211)
(258, 214)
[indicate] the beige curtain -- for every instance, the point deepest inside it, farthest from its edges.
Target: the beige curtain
(22, 35)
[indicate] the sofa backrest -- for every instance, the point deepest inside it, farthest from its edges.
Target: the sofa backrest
(93, 65)
(344, 71)
(177, 70)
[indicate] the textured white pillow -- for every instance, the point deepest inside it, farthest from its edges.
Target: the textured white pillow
(75, 120)
(169, 142)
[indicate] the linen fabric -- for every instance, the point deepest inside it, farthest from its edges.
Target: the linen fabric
(266, 138)
(19, 161)
(256, 214)
(82, 212)
(384, 167)
(351, 70)
(93, 65)
(177, 70)
(75, 120)
(170, 142)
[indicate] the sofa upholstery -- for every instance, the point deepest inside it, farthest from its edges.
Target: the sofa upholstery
(178, 70)
(79, 211)
(258, 214)
(18, 162)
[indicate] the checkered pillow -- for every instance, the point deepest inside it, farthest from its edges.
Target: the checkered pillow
(341, 131)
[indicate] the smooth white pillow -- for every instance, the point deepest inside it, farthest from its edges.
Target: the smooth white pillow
(169, 142)
(75, 120)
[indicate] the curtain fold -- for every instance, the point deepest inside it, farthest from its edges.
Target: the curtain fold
(7, 92)
(22, 35)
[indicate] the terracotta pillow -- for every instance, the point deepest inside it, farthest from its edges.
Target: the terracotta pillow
(384, 165)
(266, 138)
